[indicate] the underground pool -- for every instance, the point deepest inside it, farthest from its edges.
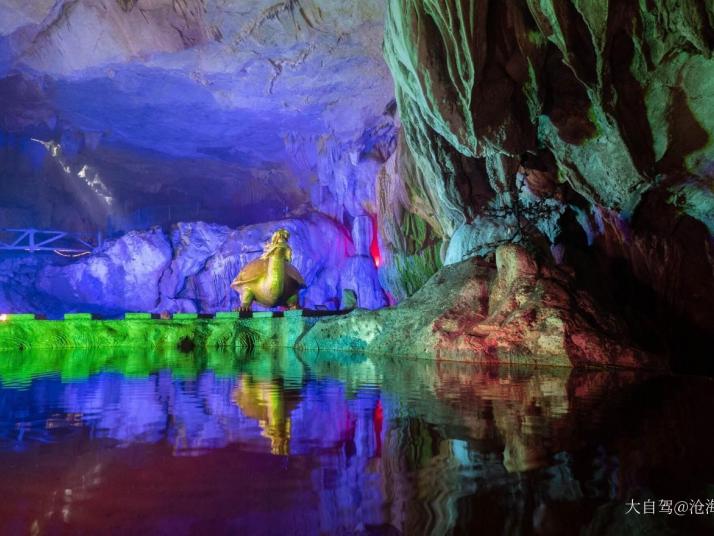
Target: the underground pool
(285, 442)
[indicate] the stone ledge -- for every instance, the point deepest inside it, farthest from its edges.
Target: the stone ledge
(143, 330)
(185, 316)
(80, 316)
(139, 316)
(227, 315)
(21, 317)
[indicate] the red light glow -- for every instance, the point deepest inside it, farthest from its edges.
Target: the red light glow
(374, 245)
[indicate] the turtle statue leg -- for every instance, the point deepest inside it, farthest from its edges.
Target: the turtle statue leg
(246, 300)
(292, 302)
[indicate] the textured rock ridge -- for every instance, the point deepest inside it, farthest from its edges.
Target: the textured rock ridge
(583, 128)
(606, 89)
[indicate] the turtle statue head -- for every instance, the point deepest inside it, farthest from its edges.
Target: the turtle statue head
(278, 245)
(281, 236)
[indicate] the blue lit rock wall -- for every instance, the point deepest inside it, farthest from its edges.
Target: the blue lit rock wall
(154, 112)
(188, 270)
(118, 116)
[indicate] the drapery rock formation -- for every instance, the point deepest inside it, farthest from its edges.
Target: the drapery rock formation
(613, 99)
(583, 128)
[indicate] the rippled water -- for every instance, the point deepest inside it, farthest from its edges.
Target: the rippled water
(279, 443)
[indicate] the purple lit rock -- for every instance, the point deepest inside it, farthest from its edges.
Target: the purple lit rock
(190, 270)
(234, 112)
(123, 275)
(156, 112)
(356, 277)
(203, 267)
(362, 232)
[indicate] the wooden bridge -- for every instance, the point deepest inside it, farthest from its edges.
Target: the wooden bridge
(60, 242)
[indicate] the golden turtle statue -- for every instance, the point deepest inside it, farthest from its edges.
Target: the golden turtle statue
(270, 280)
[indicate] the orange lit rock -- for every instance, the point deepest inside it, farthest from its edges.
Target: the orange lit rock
(517, 311)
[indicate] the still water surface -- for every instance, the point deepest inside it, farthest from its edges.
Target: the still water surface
(284, 443)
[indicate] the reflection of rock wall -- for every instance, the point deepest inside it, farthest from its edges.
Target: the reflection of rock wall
(419, 446)
(191, 270)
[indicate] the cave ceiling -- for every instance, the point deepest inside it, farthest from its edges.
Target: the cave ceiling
(224, 106)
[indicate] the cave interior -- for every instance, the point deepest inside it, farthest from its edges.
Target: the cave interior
(395, 140)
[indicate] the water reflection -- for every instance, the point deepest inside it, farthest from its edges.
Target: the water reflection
(332, 443)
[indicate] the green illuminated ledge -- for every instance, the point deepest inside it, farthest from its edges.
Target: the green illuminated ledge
(138, 316)
(144, 330)
(185, 316)
(18, 317)
(78, 316)
(227, 315)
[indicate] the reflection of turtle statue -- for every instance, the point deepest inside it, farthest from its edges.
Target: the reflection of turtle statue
(270, 280)
(271, 404)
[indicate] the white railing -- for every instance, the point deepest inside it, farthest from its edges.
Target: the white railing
(60, 242)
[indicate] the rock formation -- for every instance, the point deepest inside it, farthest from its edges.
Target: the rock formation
(433, 132)
(583, 128)
(514, 312)
(190, 270)
(147, 109)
